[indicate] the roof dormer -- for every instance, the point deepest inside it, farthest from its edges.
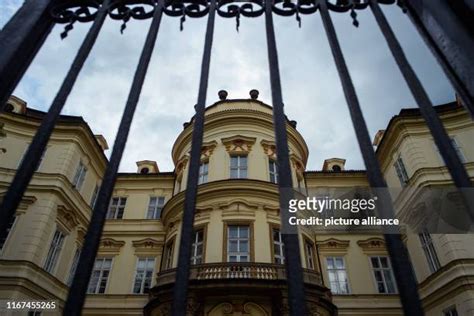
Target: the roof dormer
(147, 166)
(15, 105)
(334, 164)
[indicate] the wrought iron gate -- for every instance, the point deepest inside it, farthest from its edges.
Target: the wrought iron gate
(446, 26)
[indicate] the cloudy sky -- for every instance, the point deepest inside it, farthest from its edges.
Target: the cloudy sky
(311, 87)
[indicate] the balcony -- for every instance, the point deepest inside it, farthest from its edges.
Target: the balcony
(237, 271)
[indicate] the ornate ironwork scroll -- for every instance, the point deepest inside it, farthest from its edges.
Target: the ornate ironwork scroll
(70, 12)
(78, 289)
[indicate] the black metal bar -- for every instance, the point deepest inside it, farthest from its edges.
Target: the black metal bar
(406, 281)
(20, 40)
(30, 162)
(441, 138)
(77, 293)
(294, 270)
(446, 27)
(180, 290)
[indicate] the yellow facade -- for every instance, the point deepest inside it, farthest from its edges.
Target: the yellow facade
(144, 221)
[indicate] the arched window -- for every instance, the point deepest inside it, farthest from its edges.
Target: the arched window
(8, 108)
(144, 170)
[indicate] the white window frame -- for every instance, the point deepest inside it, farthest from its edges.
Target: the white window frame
(118, 208)
(240, 168)
(203, 172)
(146, 271)
(155, 206)
(79, 176)
(340, 287)
(430, 251)
(384, 281)
(101, 276)
(278, 258)
(309, 252)
(273, 171)
(72, 270)
(54, 251)
(196, 257)
(401, 171)
(240, 240)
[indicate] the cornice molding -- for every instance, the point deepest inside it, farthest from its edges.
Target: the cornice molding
(110, 245)
(238, 144)
(333, 244)
(269, 148)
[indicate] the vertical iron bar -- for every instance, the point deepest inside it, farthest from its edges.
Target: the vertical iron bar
(446, 27)
(180, 290)
(294, 270)
(77, 293)
(32, 156)
(441, 138)
(406, 281)
(20, 40)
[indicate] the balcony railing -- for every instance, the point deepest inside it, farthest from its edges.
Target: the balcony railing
(237, 270)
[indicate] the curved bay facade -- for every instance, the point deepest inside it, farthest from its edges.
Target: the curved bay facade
(237, 252)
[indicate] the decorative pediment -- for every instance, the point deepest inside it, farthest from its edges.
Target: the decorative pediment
(333, 244)
(147, 245)
(110, 245)
(181, 165)
(238, 207)
(238, 144)
(375, 244)
(298, 164)
(66, 217)
(269, 148)
(207, 149)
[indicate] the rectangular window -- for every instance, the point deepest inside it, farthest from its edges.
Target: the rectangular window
(278, 247)
(337, 275)
(100, 276)
(116, 208)
(450, 311)
(155, 205)
(383, 275)
(309, 249)
(203, 172)
(80, 176)
(238, 167)
(54, 251)
(72, 271)
(273, 171)
(197, 247)
(34, 313)
(95, 194)
(168, 259)
(238, 248)
(6, 234)
(401, 171)
(143, 275)
(430, 251)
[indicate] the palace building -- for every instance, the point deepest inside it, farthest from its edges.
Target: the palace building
(237, 252)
